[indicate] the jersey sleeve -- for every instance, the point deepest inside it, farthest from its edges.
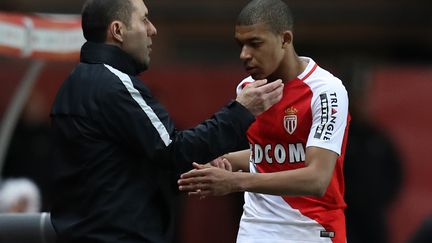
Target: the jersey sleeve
(329, 116)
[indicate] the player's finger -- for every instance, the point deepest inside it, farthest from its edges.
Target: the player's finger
(227, 164)
(200, 194)
(193, 173)
(219, 164)
(198, 166)
(193, 180)
(193, 187)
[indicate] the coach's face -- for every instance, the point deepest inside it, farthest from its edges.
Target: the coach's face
(262, 51)
(137, 38)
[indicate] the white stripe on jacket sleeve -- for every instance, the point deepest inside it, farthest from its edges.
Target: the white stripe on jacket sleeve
(125, 79)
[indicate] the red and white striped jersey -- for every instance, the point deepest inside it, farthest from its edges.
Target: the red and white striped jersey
(312, 112)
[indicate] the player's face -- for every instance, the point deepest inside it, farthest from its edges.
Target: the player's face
(137, 38)
(261, 50)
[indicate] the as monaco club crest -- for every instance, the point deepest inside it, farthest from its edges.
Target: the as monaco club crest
(290, 120)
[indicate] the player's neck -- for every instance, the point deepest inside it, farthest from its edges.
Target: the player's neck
(291, 68)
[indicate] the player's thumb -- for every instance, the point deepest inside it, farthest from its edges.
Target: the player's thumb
(198, 166)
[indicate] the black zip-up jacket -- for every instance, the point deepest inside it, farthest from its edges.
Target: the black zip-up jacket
(117, 144)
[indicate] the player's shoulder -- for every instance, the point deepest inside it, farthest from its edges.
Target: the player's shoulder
(321, 80)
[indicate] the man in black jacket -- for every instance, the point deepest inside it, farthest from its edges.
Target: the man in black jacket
(117, 142)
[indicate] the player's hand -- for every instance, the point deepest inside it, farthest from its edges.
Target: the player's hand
(221, 163)
(204, 181)
(259, 96)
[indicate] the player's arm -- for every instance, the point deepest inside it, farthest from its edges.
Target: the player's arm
(312, 180)
(239, 160)
(234, 161)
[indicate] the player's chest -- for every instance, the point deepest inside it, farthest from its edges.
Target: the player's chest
(278, 137)
(288, 121)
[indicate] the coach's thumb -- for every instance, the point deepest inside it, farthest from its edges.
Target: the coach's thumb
(258, 83)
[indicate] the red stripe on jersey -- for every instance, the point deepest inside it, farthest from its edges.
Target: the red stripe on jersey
(310, 72)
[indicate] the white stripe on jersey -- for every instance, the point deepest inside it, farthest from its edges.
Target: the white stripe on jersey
(135, 94)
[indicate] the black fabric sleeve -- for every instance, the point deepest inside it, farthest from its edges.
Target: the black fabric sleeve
(224, 132)
(127, 120)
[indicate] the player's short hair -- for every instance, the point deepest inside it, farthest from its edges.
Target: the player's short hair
(275, 13)
(98, 14)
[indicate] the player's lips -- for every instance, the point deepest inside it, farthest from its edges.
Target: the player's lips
(251, 69)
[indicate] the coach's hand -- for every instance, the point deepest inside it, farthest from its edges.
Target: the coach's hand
(259, 96)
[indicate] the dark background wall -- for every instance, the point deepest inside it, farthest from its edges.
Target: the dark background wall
(192, 30)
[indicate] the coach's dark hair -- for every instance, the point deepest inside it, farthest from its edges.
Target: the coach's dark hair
(98, 14)
(275, 13)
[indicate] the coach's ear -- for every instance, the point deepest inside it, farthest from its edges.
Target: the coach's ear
(115, 31)
(287, 39)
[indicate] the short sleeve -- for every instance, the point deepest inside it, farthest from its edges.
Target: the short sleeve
(329, 117)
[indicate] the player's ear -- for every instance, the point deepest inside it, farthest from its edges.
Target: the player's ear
(287, 38)
(116, 31)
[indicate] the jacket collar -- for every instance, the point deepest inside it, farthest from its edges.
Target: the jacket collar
(92, 52)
